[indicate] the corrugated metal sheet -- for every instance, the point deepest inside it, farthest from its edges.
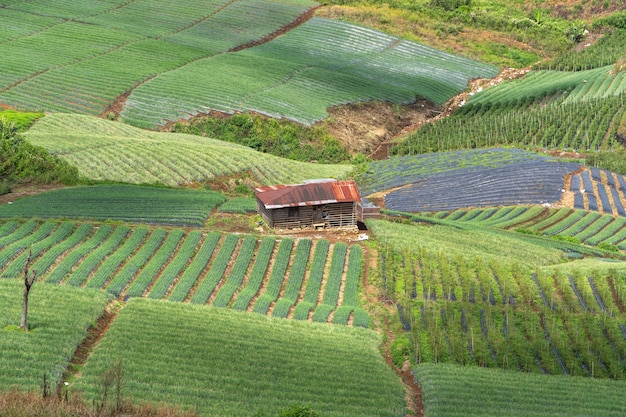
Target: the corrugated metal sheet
(310, 194)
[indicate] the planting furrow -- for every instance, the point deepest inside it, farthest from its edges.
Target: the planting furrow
(58, 273)
(136, 263)
(257, 275)
(333, 283)
(94, 259)
(110, 266)
(174, 268)
(215, 274)
(296, 278)
(314, 282)
(193, 271)
(275, 283)
(50, 256)
(36, 249)
(237, 274)
(151, 270)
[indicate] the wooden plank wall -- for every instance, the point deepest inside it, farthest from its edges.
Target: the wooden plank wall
(337, 215)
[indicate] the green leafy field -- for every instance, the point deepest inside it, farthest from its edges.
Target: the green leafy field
(126, 203)
(110, 151)
(58, 319)
(232, 363)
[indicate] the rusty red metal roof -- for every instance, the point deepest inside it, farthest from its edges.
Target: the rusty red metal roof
(309, 194)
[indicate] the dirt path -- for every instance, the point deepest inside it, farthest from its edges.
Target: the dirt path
(413, 392)
(84, 350)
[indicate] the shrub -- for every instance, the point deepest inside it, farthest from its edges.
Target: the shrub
(608, 247)
(22, 161)
(281, 138)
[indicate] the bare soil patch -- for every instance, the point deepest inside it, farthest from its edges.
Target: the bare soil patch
(364, 127)
(94, 335)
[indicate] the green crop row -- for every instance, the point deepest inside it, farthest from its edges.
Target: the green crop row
(109, 267)
(147, 275)
(275, 283)
(296, 278)
(59, 234)
(314, 281)
(135, 264)
(467, 308)
(89, 264)
(239, 205)
(606, 51)
(261, 264)
(333, 283)
(591, 228)
(218, 268)
(237, 274)
(94, 54)
(192, 272)
(119, 202)
(299, 75)
(61, 270)
(174, 268)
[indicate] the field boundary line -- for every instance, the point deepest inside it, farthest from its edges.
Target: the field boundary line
(95, 333)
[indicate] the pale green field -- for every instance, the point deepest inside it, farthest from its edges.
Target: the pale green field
(110, 151)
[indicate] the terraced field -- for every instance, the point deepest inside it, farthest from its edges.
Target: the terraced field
(396, 172)
(186, 62)
(108, 151)
(469, 178)
(577, 108)
(119, 202)
(285, 278)
(299, 75)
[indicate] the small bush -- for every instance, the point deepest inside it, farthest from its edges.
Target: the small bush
(22, 161)
(281, 138)
(5, 188)
(299, 411)
(568, 239)
(400, 350)
(608, 247)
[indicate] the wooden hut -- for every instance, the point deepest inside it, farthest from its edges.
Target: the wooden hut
(317, 204)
